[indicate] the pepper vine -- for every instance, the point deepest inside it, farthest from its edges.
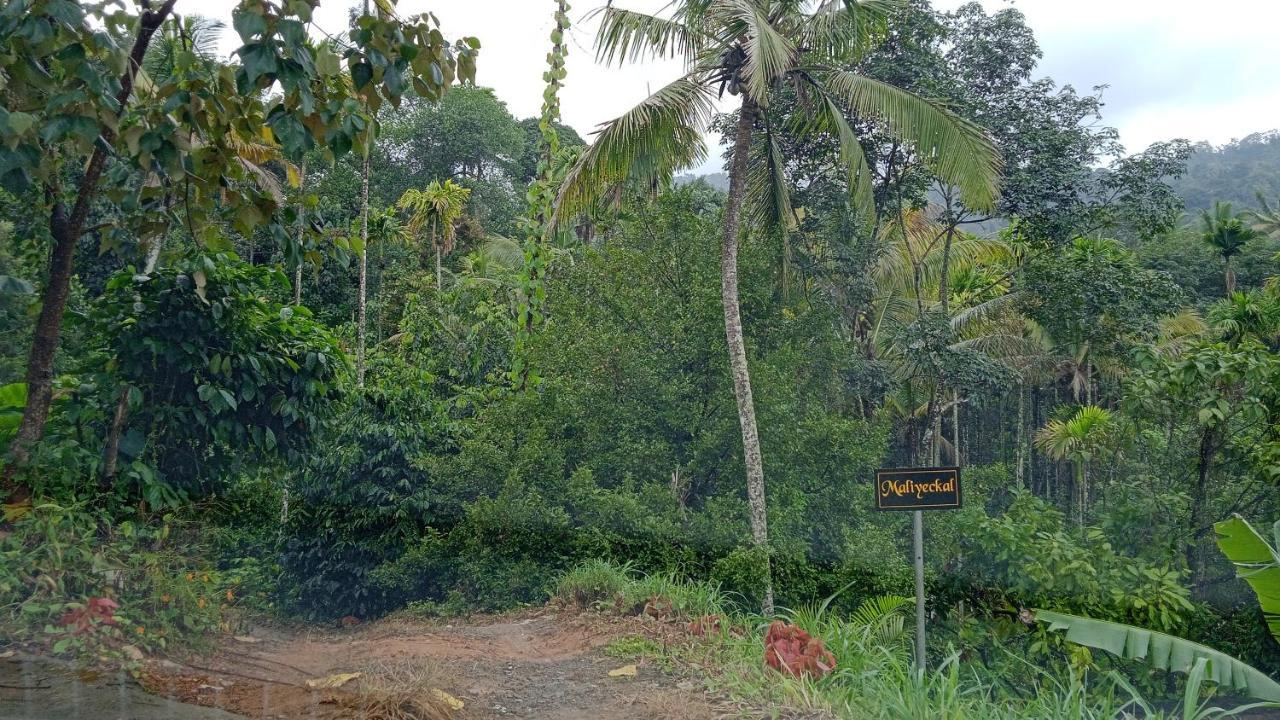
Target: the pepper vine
(541, 196)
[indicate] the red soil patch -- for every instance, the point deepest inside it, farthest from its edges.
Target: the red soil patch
(540, 664)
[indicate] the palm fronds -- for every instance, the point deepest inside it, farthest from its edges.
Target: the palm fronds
(967, 318)
(844, 28)
(1224, 231)
(769, 53)
(1266, 219)
(955, 149)
(629, 36)
(650, 141)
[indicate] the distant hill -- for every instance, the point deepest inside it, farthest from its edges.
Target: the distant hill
(719, 181)
(1233, 172)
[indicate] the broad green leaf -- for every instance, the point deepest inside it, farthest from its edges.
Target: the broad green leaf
(258, 59)
(1257, 563)
(327, 63)
(13, 395)
(20, 122)
(1161, 651)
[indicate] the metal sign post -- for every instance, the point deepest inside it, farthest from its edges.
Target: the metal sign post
(917, 490)
(917, 533)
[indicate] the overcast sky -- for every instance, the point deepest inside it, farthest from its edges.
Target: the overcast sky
(1175, 68)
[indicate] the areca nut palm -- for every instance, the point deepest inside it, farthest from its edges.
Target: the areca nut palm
(1224, 232)
(1077, 439)
(439, 205)
(755, 49)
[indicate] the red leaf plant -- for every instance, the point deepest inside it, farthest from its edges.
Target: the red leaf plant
(83, 618)
(790, 650)
(704, 625)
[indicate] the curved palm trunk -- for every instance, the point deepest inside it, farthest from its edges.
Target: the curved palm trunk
(737, 348)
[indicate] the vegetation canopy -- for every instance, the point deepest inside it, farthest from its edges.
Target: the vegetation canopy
(301, 327)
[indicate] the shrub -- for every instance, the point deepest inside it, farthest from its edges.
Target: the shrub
(216, 374)
(79, 583)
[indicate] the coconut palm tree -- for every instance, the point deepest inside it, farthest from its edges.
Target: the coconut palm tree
(1077, 439)
(1224, 232)
(1266, 219)
(438, 205)
(761, 51)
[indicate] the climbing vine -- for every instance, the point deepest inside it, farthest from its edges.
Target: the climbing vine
(541, 195)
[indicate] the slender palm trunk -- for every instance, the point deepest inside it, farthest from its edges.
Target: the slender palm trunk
(302, 231)
(1080, 492)
(1020, 442)
(955, 428)
(1231, 278)
(439, 273)
(364, 271)
(65, 228)
(737, 347)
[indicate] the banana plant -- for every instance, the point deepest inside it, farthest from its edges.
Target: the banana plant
(1257, 563)
(1164, 652)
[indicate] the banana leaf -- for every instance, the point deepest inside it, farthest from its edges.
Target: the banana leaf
(1257, 563)
(1164, 652)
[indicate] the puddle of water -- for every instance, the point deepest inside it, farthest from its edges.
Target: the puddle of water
(41, 689)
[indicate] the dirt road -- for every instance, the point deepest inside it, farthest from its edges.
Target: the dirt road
(541, 664)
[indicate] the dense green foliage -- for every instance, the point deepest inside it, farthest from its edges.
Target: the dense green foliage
(545, 404)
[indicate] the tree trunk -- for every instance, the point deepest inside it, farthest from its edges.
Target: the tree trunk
(1230, 279)
(1020, 447)
(737, 347)
(439, 272)
(153, 254)
(112, 451)
(66, 230)
(1080, 492)
(1200, 522)
(364, 270)
(302, 232)
(955, 428)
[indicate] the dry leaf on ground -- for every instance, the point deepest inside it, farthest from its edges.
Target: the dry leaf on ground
(332, 681)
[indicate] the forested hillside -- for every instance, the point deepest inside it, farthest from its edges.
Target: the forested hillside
(322, 333)
(1233, 173)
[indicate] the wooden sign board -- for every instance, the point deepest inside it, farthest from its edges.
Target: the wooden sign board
(918, 488)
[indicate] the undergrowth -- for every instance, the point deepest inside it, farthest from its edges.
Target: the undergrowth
(874, 678)
(77, 582)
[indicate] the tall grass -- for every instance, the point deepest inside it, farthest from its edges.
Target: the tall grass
(604, 585)
(874, 678)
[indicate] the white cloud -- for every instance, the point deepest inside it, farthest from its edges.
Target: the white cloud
(1176, 68)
